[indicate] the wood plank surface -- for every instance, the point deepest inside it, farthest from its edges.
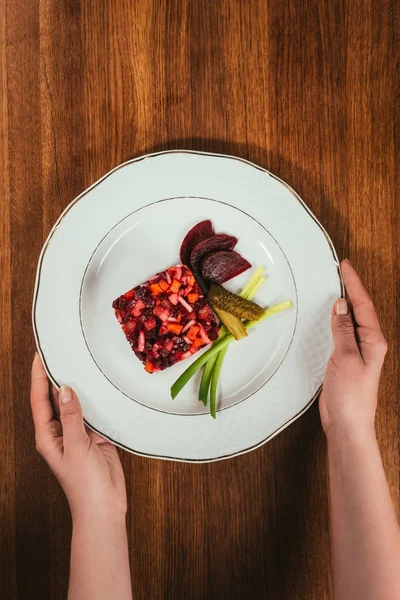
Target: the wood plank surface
(307, 89)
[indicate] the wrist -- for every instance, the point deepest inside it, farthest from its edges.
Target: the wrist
(345, 436)
(99, 519)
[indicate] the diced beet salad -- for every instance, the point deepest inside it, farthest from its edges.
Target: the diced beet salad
(166, 319)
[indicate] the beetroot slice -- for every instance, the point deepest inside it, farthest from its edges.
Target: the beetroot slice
(212, 244)
(197, 234)
(223, 265)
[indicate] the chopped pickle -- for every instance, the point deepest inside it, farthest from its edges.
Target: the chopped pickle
(232, 323)
(221, 299)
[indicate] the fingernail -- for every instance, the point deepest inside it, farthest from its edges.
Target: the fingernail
(341, 307)
(66, 394)
(346, 260)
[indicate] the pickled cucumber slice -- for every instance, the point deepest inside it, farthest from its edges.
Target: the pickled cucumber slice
(220, 298)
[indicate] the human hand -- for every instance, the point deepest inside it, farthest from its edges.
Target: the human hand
(86, 465)
(349, 397)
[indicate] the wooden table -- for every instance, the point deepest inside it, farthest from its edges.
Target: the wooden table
(303, 87)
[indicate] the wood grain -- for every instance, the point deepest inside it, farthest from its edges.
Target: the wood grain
(307, 89)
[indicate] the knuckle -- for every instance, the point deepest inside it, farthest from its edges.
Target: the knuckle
(345, 326)
(69, 415)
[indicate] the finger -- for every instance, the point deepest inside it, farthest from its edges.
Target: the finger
(344, 338)
(42, 411)
(71, 418)
(363, 308)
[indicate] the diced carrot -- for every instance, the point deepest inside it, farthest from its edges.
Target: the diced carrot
(192, 333)
(197, 342)
(175, 285)
(155, 289)
(193, 298)
(174, 328)
(149, 367)
(163, 285)
(191, 280)
(179, 317)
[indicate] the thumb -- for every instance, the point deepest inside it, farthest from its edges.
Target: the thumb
(344, 338)
(71, 418)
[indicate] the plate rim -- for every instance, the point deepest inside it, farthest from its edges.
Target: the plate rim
(95, 184)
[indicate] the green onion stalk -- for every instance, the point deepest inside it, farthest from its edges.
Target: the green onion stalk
(218, 346)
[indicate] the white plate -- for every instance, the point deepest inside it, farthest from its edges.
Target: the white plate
(128, 226)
